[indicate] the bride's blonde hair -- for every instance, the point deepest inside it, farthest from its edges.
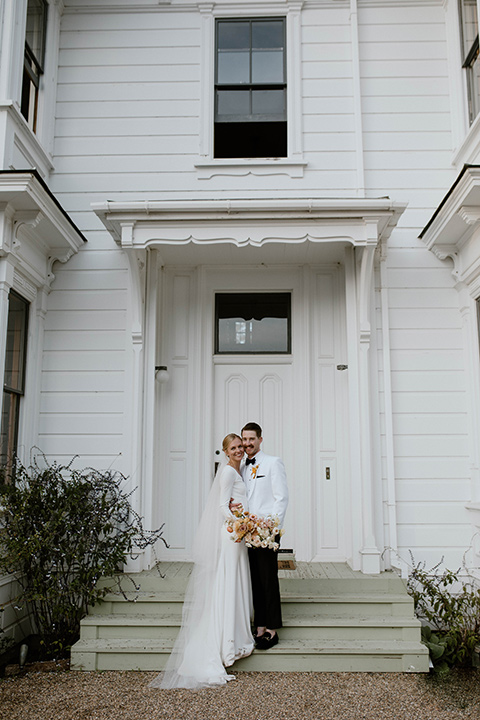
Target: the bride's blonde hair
(228, 439)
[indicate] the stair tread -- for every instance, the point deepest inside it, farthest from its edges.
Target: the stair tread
(314, 620)
(175, 595)
(389, 647)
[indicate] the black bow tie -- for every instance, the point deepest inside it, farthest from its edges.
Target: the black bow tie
(250, 461)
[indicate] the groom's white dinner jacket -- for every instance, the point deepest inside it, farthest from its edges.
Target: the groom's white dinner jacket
(266, 482)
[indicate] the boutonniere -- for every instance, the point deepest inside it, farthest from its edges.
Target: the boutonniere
(254, 471)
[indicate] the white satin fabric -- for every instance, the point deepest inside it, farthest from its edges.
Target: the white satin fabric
(217, 609)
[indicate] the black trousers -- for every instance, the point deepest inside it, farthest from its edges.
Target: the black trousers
(265, 588)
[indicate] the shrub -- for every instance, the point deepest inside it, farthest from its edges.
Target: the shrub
(449, 605)
(63, 529)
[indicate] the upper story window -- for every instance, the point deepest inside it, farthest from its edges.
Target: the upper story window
(250, 89)
(470, 52)
(33, 59)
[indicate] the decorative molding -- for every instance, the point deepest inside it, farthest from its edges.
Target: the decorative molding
(26, 288)
(470, 214)
(248, 222)
(242, 168)
(453, 231)
(63, 258)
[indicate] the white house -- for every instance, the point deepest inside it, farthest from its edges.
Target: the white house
(217, 212)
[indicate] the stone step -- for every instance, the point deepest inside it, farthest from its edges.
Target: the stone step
(295, 627)
(288, 655)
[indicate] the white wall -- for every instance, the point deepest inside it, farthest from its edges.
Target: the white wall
(128, 127)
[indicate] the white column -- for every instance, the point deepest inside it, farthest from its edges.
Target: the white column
(359, 278)
(134, 375)
(370, 555)
(388, 408)
(150, 357)
(470, 332)
(7, 270)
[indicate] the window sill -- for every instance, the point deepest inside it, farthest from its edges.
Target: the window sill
(251, 359)
(207, 169)
(469, 150)
(26, 143)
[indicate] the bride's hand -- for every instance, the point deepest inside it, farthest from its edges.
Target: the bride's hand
(234, 506)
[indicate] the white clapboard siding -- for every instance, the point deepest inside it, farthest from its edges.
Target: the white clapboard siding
(78, 340)
(430, 424)
(412, 491)
(82, 403)
(372, 104)
(137, 22)
(407, 144)
(128, 128)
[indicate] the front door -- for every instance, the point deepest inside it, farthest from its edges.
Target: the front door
(281, 373)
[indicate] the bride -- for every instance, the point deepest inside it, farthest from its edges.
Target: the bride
(217, 609)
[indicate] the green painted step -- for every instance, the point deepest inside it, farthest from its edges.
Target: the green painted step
(288, 655)
(347, 622)
(341, 605)
(166, 627)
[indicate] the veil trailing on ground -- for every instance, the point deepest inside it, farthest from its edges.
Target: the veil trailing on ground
(190, 646)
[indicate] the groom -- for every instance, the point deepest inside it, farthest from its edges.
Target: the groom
(267, 493)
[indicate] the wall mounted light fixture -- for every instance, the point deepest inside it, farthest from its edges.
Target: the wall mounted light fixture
(161, 374)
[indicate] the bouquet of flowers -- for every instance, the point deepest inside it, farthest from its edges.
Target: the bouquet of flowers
(258, 532)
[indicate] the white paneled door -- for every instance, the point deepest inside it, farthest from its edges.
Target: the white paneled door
(259, 392)
(297, 396)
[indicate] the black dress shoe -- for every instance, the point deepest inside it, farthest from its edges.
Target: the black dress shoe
(266, 641)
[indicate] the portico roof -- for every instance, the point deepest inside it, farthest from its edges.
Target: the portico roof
(249, 230)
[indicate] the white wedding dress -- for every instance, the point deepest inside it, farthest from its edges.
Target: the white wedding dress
(217, 609)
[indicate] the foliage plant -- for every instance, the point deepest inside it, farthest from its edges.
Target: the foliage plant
(62, 530)
(448, 603)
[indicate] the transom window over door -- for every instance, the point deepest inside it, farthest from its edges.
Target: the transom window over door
(253, 323)
(250, 88)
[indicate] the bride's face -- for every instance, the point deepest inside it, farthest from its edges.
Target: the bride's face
(235, 450)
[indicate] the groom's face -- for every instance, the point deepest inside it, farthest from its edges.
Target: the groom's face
(251, 443)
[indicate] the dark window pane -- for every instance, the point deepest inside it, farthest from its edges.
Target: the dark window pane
(9, 429)
(233, 68)
(268, 102)
(267, 34)
(233, 35)
(15, 346)
(35, 30)
(253, 322)
(250, 139)
(233, 102)
(469, 24)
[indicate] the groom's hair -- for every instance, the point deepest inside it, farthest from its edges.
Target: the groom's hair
(254, 427)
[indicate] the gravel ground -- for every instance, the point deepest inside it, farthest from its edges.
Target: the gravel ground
(64, 695)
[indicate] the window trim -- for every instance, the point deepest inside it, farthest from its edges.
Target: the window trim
(33, 69)
(293, 165)
(469, 59)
